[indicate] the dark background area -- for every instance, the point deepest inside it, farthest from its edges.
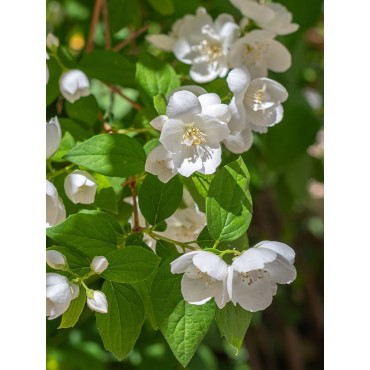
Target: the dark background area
(286, 167)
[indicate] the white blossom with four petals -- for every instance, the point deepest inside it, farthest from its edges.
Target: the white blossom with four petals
(80, 187)
(205, 277)
(59, 294)
(269, 16)
(202, 43)
(74, 84)
(256, 105)
(253, 276)
(259, 52)
(55, 211)
(191, 134)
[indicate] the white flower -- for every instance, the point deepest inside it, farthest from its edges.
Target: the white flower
(55, 260)
(99, 264)
(256, 105)
(80, 187)
(259, 52)
(202, 43)
(191, 133)
(55, 211)
(53, 136)
(270, 16)
(52, 41)
(205, 276)
(253, 276)
(59, 294)
(97, 301)
(74, 84)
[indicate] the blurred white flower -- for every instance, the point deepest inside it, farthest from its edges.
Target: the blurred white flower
(80, 187)
(52, 41)
(259, 52)
(55, 211)
(202, 43)
(59, 294)
(55, 260)
(253, 276)
(74, 84)
(97, 301)
(256, 105)
(191, 133)
(269, 16)
(205, 276)
(53, 136)
(99, 264)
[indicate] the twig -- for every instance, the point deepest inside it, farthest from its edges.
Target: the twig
(108, 41)
(131, 37)
(132, 186)
(94, 22)
(117, 91)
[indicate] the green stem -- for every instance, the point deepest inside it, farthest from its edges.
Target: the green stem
(168, 240)
(61, 171)
(56, 57)
(216, 243)
(233, 251)
(127, 130)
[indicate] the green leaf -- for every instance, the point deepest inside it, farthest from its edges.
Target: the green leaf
(130, 264)
(229, 203)
(163, 7)
(233, 322)
(143, 288)
(160, 103)
(71, 316)
(78, 262)
(52, 87)
(66, 144)
(108, 66)
(202, 183)
(79, 130)
(150, 145)
(105, 197)
(155, 77)
(183, 325)
(85, 109)
(86, 233)
(121, 326)
(105, 216)
(198, 199)
(158, 200)
(165, 249)
(110, 154)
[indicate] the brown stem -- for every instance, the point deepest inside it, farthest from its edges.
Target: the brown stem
(117, 91)
(94, 22)
(131, 37)
(132, 185)
(108, 41)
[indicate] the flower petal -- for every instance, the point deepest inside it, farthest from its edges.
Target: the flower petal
(254, 259)
(183, 105)
(280, 248)
(198, 291)
(179, 265)
(158, 122)
(240, 142)
(211, 264)
(238, 81)
(163, 42)
(281, 270)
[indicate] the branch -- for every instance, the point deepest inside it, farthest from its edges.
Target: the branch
(132, 185)
(94, 21)
(117, 91)
(108, 41)
(131, 37)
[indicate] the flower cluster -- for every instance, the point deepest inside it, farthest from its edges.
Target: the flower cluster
(60, 291)
(196, 123)
(250, 281)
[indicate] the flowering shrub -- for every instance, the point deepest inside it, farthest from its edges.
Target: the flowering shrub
(156, 209)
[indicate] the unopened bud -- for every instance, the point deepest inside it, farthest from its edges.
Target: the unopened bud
(99, 264)
(56, 260)
(97, 301)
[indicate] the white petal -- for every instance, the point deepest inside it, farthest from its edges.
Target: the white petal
(238, 81)
(163, 42)
(183, 51)
(208, 99)
(215, 129)
(53, 136)
(99, 264)
(158, 122)
(74, 84)
(183, 105)
(278, 57)
(255, 11)
(211, 264)
(197, 291)
(179, 265)
(195, 89)
(204, 72)
(172, 135)
(80, 187)
(253, 259)
(238, 120)
(211, 160)
(98, 303)
(54, 258)
(187, 161)
(280, 248)
(159, 162)
(254, 297)
(281, 270)
(57, 288)
(222, 296)
(240, 142)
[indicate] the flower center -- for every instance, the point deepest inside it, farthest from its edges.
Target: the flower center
(256, 99)
(162, 163)
(251, 277)
(83, 188)
(193, 136)
(254, 54)
(211, 51)
(203, 275)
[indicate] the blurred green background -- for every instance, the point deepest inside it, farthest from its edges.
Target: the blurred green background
(286, 167)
